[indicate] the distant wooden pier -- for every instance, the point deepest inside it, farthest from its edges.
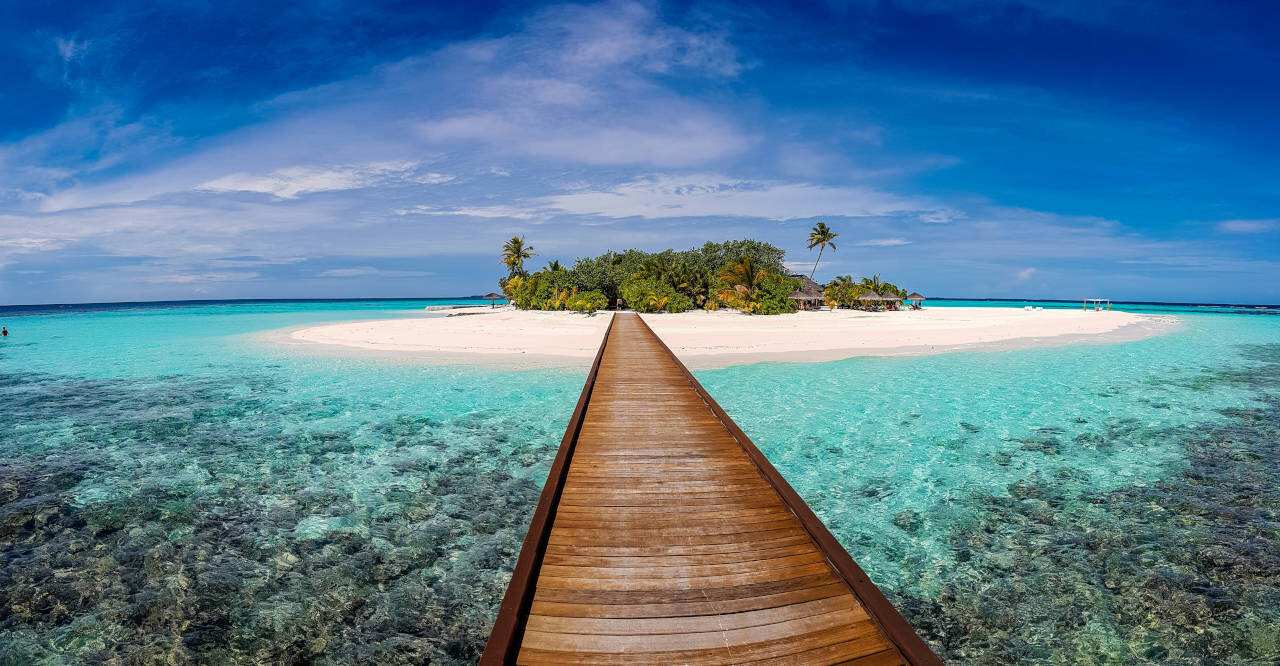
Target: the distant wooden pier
(664, 536)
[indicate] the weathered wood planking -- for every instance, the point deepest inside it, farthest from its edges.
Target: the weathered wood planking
(664, 536)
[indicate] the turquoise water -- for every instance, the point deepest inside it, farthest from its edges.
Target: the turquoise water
(174, 489)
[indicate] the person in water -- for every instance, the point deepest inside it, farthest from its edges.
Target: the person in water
(4, 332)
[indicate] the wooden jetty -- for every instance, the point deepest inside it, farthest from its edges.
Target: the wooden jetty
(664, 536)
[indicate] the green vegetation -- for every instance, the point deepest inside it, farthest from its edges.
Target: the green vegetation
(514, 252)
(587, 301)
(845, 292)
(667, 281)
(820, 237)
(654, 295)
(745, 275)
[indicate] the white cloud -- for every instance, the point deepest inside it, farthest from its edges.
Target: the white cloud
(364, 271)
(291, 182)
(189, 278)
(883, 242)
(70, 49)
(578, 84)
(484, 126)
(494, 212)
(695, 139)
(686, 142)
(666, 196)
(631, 35)
(28, 244)
(250, 262)
(1248, 226)
(10, 247)
(1025, 274)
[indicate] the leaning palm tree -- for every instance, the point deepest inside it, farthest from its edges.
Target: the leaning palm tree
(742, 281)
(820, 237)
(514, 252)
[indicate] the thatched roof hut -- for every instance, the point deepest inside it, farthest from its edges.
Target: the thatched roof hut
(869, 296)
(492, 297)
(914, 296)
(809, 295)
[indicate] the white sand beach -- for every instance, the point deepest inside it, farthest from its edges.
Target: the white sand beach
(717, 339)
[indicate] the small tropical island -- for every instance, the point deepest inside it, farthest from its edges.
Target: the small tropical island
(723, 303)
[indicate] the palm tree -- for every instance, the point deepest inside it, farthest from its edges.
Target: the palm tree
(554, 266)
(820, 237)
(514, 252)
(873, 283)
(694, 282)
(742, 284)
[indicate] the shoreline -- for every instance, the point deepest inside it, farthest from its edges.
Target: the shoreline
(514, 340)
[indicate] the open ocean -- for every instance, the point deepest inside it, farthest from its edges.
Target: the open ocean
(173, 488)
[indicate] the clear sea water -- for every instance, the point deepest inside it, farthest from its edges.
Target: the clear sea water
(173, 489)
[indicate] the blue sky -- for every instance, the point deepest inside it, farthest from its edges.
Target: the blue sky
(972, 148)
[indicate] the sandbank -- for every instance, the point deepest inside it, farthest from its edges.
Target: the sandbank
(514, 338)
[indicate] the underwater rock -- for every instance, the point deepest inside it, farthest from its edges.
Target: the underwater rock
(908, 520)
(163, 531)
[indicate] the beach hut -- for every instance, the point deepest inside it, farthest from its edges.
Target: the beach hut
(887, 298)
(915, 299)
(492, 297)
(809, 295)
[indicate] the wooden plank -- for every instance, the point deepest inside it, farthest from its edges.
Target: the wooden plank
(693, 624)
(666, 540)
(640, 610)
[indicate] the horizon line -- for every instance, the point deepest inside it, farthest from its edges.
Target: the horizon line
(477, 297)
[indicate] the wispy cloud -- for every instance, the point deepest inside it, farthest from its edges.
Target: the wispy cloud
(578, 85)
(667, 196)
(883, 242)
(291, 182)
(1248, 226)
(70, 49)
(493, 212)
(190, 278)
(368, 271)
(1025, 274)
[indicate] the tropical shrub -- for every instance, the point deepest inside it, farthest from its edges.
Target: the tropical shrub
(843, 292)
(587, 301)
(739, 285)
(775, 295)
(559, 299)
(691, 277)
(607, 272)
(650, 295)
(711, 257)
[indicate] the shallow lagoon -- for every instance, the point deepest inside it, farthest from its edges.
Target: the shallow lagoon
(173, 488)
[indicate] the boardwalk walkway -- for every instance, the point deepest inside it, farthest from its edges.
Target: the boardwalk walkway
(663, 536)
